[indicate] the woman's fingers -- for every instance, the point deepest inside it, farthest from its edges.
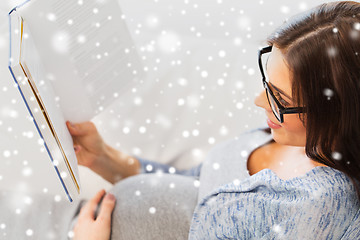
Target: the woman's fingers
(107, 206)
(72, 128)
(89, 228)
(89, 208)
(79, 129)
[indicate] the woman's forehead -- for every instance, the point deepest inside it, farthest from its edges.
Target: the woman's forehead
(278, 71)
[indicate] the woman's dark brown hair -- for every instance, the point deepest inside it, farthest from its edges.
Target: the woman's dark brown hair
(322, 50)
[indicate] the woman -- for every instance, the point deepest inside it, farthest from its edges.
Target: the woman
(300, 180)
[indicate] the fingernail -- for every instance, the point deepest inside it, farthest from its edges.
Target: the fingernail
(109, 196)
(72, 125)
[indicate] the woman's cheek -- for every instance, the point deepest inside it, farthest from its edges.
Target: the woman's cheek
(292, 123)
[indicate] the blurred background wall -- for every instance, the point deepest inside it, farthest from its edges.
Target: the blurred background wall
(200, 57)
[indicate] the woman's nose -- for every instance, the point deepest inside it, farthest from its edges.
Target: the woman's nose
(261, 101)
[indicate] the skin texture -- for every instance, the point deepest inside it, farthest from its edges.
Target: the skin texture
(92, 152)
(286, 156)
(89, 228)
(292, 132)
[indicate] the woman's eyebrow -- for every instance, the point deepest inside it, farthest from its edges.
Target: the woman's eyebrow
(280, 91)
(276, 88)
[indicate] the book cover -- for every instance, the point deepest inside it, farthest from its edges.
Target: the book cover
(69, 61)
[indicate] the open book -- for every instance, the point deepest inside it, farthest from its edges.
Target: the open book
(70, 60)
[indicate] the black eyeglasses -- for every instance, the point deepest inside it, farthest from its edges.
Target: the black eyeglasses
(276, 107)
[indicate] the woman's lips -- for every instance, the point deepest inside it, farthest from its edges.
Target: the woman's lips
(272, 125)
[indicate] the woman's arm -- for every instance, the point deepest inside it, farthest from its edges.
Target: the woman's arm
(111, 164)
(92, 152)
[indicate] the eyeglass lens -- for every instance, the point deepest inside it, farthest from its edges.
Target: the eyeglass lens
(273, 105)
(264, 59)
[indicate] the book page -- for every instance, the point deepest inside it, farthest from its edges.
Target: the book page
(34, 69)
(90, 57)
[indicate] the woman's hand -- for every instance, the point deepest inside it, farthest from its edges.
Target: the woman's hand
(89, 228)
(92, 152)
(88, 144)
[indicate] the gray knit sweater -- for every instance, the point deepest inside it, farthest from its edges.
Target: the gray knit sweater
(321, 204)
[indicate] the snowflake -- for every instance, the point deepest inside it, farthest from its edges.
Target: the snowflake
(181, 102)
(195, 132)
(28, 200)
(303, 6)
(29, 232)
(185, 134)
(27, 172)
(222, 53)
(216, 166)
(244, 153)
(354, 34)
(277, 228)
(220, 82)
(131, 160)
(196, 183)
(236, 182)
(60, 42)
(63, 174)
(336, 155)
(142, 129)
(197, 152)
(239, 85)
(57, 198)
(357, 26)
(152, 210)
(81, 39)
(332, 51)
(251, 71)
(168, 42)
(223, 131)
(149, 167)
(70, 234)
(193, 101)
(152, 21)
(51, 17)
(6, 153)
(328, 93)
(204, 74)
(126, 130)
(211, 140)
(239, 105)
